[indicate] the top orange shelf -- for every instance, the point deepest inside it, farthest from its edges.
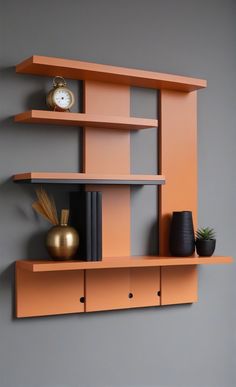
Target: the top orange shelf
(75, 69)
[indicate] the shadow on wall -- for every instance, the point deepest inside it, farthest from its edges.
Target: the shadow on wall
(144, 223)
(22, 230)
(24, 92)
(6, 72)
(7, 285)
(35, 100)
(41, 85)
(23, 85)
(152, 240)
(16, 207)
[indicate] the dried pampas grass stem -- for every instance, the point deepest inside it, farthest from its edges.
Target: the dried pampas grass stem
(45, 206)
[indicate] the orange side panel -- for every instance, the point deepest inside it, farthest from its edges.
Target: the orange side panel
(179, 285)
(178, 158)
(48, 293)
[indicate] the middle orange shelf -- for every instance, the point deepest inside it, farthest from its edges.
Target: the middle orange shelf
(85, 120)
(87, 178)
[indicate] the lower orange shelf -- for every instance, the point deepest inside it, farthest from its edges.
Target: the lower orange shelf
(121, 262)
(45, 288)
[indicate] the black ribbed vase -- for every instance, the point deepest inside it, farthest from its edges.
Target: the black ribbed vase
(182, 243)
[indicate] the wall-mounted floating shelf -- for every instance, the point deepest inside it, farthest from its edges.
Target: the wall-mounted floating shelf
(85, 120)
(75, 69)
(119, 280)
(121, 262)
(87, 178)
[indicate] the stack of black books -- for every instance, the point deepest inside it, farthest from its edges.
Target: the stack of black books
(86, 218)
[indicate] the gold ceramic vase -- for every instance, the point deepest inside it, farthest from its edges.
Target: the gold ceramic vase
(62, 242)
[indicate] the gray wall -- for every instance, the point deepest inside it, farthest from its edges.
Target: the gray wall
(178, 346)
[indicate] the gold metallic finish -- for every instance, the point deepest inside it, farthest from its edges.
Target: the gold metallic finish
(59, 83)
(62, 242)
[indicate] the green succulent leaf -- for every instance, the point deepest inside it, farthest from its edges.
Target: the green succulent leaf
(205, 233)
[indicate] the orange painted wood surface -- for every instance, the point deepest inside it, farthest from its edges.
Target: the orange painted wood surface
(83, 119)
(178, 157)
(75, 69)
(179, 285)
(106, 152)
(107, 289)
(121, 289)
(121, 262)
(42, 294)
(109, 153)
(145, 285)
(93, 177)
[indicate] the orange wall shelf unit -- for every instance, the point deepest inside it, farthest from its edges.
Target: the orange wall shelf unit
(120, 280)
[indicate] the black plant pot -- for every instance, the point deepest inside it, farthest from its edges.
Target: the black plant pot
(182, 243)
(205, 247)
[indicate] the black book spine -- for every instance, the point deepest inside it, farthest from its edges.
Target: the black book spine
(99, 226)
(94, 226)
(88, 225)
(80, 219)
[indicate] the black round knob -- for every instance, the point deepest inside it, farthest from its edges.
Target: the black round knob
(130, 295)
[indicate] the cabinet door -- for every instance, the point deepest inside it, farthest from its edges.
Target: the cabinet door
(179, 285)
(121, 288)
(48, 293)
(145, 287)
(106, 289)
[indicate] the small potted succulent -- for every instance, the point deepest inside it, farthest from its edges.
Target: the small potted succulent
(205, 241)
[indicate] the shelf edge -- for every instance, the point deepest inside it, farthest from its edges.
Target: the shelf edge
(75, 69)
(41, 266)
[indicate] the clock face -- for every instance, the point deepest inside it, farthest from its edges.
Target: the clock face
(63, 98)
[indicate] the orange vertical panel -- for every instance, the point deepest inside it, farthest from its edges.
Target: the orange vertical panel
(108, 151)
(178, 158)
(42, 294)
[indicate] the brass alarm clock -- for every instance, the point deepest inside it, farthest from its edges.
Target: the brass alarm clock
(60, 98)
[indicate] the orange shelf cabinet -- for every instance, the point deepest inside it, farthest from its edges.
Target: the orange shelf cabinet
(49, 288)
(121, 262)
(87, 178)
(75, 69)
(119, 280)
(85, 120)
